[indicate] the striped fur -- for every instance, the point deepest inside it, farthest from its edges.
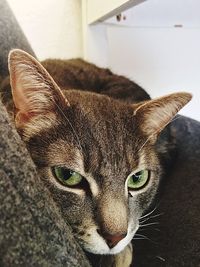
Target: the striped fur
(101, 137)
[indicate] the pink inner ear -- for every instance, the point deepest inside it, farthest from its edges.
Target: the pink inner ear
(22, 112)
(19, 97)
(21, 118)
(20, 101)
(33, 89)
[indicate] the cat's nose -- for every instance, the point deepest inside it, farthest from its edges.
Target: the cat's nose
(112, 240)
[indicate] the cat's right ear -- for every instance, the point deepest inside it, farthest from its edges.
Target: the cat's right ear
(33, 89)
(153, 115)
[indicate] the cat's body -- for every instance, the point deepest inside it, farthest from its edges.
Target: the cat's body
(105, 142)
(84, 76)
(78, 74)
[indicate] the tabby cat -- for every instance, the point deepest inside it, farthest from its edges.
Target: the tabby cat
(94, 150)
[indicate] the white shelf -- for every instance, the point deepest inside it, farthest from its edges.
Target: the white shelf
(100, 10)
(161, 14)
(156, 45)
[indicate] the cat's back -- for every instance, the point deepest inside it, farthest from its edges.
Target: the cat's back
(82, 75)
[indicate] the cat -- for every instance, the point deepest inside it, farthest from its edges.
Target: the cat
(95, 149)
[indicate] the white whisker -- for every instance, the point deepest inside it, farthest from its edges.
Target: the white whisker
(175, 118)
(77, 138)
(156, 229)
(139, 235)
(157, 215)
(151, 217)
(144, 229)
(157, 131)
(144, 237)
(149, 213)
(148, 224)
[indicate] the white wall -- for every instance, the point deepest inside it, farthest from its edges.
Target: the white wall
(161, 60)
(53, 27)
(152, 52)
(157, 45)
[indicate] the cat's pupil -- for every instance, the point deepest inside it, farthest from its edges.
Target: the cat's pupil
(136, 177)
(66, 173)
(63, 173)
(67, 177)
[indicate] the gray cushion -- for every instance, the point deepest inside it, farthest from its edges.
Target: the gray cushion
(32, 232)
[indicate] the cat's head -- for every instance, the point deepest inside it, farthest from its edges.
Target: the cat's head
(95, 154)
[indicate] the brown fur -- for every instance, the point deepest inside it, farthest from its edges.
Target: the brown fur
(103, 138)
(79, 74)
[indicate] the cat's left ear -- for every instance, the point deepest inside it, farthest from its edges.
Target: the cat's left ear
(34, 90)
(153, 115)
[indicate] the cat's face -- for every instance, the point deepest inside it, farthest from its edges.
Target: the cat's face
(96, 140)
(96, 155)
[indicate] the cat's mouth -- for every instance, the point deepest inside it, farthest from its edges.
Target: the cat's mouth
(96, 244)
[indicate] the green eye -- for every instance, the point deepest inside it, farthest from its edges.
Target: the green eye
(67, 177)
(138, 180)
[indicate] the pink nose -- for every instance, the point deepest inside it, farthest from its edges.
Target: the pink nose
(112, 240)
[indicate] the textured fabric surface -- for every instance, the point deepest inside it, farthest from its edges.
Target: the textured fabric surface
(173, 238)
(11, 36)
(32, 233)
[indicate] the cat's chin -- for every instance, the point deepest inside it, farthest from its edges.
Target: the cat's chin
(98, 245)
(105, 250)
